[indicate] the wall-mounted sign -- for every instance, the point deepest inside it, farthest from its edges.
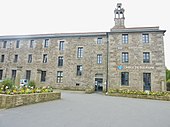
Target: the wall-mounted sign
(139, 67)
(120, 67)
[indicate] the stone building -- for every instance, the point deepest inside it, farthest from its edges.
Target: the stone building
(131, 58)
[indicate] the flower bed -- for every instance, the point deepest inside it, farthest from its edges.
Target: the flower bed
(140, 94)
(12, 95)
(8, 87)
(25, 90)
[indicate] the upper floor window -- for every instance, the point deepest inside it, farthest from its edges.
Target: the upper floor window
(45, 58)
(2, 58)
(4, 44)
(99, 40)
(60, 61)
(43, 76)
(146, 57)
(145, 38)
(99, 58)
(61, 45)
(124, 38)
(125, 57)
(80, 52)
(59, 76)
(32, 43)
(30, 58)
(79, 70)
(17, 43)
(15, 58)
(125, 78)
(46, 43)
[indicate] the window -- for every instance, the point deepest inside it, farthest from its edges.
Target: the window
(17, 44)
(125, 57)
(59, 76)
(146, 57)
(32, 43)
(30, 58)
(14, 72)
(46, 43)
(15, 58)
(61, 45)
(45, 59)
(145, 38)
(80, 52)
(124, 38)
(77, 84)
(147, 81)
(1, 74)
(99, 58)
(125, 78)
(28, 74)
(5, 44)
(79, 70)
(2, 58)
(60, 61)
(43, 76)
(99, 40)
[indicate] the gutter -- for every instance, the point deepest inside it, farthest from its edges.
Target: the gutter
(107, 63)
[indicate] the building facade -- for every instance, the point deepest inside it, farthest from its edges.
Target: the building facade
(130, 58)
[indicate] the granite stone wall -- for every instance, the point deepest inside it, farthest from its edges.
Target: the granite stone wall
(90, 68)
(11, 101)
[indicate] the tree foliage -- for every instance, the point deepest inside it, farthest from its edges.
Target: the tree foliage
(167, 74)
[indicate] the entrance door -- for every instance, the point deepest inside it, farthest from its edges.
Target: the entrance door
(98, 84)
(147, 81)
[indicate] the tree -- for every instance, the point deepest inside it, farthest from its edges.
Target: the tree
(167, 74)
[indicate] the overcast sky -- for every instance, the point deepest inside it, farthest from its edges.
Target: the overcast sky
(58, 16)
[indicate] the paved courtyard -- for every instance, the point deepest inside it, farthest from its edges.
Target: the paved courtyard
(76, 109)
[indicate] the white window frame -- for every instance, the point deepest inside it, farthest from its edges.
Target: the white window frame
(99, 40)
(45, 58)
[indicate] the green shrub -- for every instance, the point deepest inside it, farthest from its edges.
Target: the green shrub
(32, 84)
(7, 84)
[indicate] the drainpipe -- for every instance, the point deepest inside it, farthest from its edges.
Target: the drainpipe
(107, 62)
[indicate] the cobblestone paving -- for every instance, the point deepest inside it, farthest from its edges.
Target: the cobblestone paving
(77, 109)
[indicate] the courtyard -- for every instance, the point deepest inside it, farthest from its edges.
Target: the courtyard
(76, 109)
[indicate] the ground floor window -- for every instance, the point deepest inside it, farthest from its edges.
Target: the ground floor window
(59, 76)
(1, 74)
(14, 72)
(28, 74)
(125, 78)
(43, 76)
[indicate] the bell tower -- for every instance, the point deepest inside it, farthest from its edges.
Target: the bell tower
(119, 17)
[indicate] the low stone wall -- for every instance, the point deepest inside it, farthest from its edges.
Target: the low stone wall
(10, 101)
(163, 98)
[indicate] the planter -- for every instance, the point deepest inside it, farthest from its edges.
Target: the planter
(164, 98)
(11, 101)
